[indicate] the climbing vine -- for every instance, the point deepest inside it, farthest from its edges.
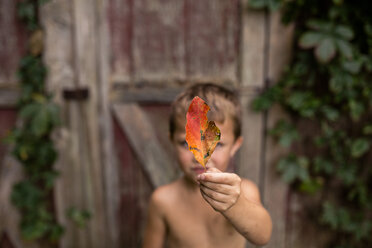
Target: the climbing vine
(33, 147)
(327, 88)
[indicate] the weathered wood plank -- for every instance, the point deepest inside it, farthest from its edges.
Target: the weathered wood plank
(280, 47)
(7, 122)
(275, 190)
(249, 158)
(56, 18)
(74, 23)
(13, 38)
(212, 39)
(120, 19)
(85, 62)
(158, 40)
(301, 227)
(145, 94)
(252, 47)
(9, 97)
(108, 155)
(251, 76)
(135, 191)
(142, 137)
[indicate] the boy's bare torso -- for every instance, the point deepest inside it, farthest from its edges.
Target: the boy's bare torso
(192, 222)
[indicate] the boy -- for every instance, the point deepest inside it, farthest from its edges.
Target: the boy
(212, 208)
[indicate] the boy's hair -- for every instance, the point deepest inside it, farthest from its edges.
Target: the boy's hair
(223, 104)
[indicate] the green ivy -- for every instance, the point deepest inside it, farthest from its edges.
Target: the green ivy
(328, 86)
(31, 139)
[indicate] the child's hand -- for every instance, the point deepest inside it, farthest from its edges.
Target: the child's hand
(221, 190)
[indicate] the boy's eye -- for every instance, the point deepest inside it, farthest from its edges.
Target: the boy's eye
(183, 143)
(219, 144)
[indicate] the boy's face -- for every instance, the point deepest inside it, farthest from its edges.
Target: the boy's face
(225, 149)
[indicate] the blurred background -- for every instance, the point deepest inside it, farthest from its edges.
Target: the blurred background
(86, 87)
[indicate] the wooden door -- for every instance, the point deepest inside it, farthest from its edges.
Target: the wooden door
(133, 57)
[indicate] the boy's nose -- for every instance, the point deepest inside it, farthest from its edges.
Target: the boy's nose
(194, 160)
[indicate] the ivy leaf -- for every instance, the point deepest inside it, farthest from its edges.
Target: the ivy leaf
(286, 132)
(41, 2)
(360, 193)
(54, 113)
(330, 113)
(267, 98)
(261, 4)
(40, 122)
(359, 147)
(312, 186)
(329, 215)
(34, 230)
(258, 4)
(352, 66)
(367, 129)
(56, 231)
(323, 165)
(310, 39)
(26, 195)
(326, 50)
(49, 178)
(356, 109)
(344, 32)
(344, 48)
(79, 217)
(303, 102)
(28, 111)
(320, 25)
(293, 167)
(202, 135)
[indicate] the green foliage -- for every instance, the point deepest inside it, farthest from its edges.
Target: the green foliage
(79, 217)
(270, 4)
(328, 86)
(32, 144)
(293, 167)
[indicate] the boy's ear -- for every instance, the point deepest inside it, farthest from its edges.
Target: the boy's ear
(237, 144)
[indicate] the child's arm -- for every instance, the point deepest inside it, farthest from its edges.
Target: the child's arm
(239, 201)
(155, 227)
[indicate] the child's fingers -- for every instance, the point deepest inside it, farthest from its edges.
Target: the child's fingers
(219, 206)
(217, 196)
(225, 178)
(218, 187)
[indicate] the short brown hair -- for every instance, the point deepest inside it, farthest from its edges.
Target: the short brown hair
(224, 103)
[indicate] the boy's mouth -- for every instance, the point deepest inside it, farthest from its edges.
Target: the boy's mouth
(198, 169)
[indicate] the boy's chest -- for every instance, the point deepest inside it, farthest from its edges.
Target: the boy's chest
(198, 225)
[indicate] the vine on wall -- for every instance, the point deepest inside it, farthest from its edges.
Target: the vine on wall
(33, 146)
(328, 86)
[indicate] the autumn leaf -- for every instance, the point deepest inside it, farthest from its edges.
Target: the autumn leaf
(202, 135)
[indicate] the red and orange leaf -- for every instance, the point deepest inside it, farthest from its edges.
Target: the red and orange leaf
(202, 135)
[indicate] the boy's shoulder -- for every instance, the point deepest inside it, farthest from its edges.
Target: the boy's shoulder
(167, 194)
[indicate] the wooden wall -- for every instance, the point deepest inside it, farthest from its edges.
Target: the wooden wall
(133, 57)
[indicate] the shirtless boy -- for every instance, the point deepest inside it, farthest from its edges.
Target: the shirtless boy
(213, 208)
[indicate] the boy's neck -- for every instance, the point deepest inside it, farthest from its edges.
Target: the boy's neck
(190, 184)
